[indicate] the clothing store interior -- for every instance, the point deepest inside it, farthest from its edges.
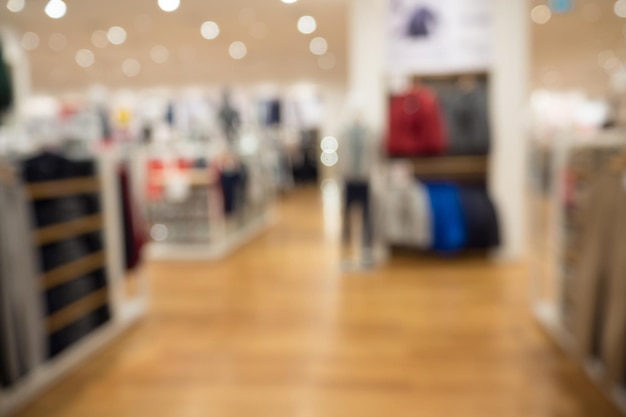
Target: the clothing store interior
(312, 208)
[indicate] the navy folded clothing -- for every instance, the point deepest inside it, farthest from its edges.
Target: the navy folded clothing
(480, 218)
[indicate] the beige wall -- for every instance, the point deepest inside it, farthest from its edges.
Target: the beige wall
(565, 50)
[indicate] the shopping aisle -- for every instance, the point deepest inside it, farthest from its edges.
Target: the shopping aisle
(275, 330)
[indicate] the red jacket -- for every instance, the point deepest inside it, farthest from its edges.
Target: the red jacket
(415, 124)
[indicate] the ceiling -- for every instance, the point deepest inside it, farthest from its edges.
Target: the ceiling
(568, 50)
(282, 56)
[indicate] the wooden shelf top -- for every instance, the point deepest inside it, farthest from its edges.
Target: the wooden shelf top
(73, 270)
(67, 230)
(62, 188)
(77, 310)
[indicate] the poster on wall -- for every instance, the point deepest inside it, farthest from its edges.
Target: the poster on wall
(429, 37)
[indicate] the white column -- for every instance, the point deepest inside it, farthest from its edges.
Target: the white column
(366, 59)
(509, 98)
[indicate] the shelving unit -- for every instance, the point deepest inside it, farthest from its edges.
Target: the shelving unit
(124, 311)
(548, 277)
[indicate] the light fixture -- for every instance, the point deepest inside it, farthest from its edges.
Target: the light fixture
(329, 159)
(318, 46)
(620, 8)
(85, 58)
(238, 50)
(258, 30)
(116, 35)
(57, 42)
(307, 24)
(327, 61)
(541, 14)
(30, 41)
(210, 30)
(329, 144)
(290, 1)
(99, 39)
(169, 5)
(605, 56)
(247, 16)
(159, 54)
(131, 67)
(16, 6)
(56, 9)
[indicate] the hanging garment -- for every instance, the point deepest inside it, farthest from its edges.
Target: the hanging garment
(6, 85)
(357, 194)
(416, 124)
(467, 120)
(408, 215)
(22, 334)
(135, 236)
(480, 218)
(600, 282)
(422, 23)
(449, 230)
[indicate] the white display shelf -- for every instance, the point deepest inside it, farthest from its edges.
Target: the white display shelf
(211, 251)
(53, 371)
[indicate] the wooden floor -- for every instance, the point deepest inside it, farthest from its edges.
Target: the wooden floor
(277, 330)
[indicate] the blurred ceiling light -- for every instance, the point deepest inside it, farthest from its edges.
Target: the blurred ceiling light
(605, 56)
(99, 39)
(247, 16)
(56, 9)
(318, 46)
(210, 30)
(85, 58)
(143, 23)
(307, 24)
(169, 5)
(330, 159)
(238, 50)
(329, 144)
(290, 1)
(16, 6)
(131, 67)
(159, 54)
(116, 35)
(612, 64)
(560, 6)
(541, 14)
(30, 41)
(620, 8)
(258, 30)
(57, 42)
(327, 61)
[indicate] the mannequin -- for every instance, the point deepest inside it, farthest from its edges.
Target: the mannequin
(229, 118)
(357, 158)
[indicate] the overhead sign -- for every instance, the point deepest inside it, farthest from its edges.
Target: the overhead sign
(439, 36)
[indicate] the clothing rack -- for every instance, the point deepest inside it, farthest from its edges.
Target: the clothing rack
(124, 311)
(552, 256)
